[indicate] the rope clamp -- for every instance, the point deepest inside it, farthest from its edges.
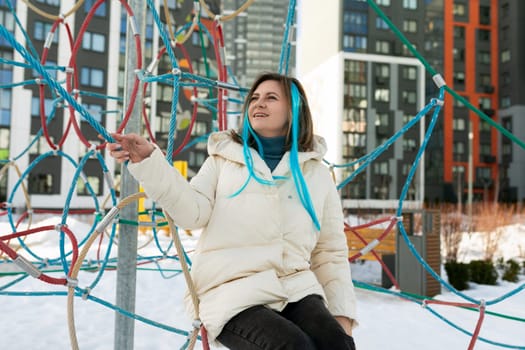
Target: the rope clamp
(197, 323)
(438, 101)
(439, 81)
(86, 293)
(72, 282)
(397, 218)
(106, 220)
(26, 265)
(58, 227)
(176, 71)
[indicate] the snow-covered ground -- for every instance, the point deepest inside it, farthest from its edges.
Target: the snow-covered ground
(30, 321)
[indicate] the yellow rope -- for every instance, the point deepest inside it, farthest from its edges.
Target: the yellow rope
(51, 16)
(101, 229)
(78, 264)
(226, 18)
(187, 277)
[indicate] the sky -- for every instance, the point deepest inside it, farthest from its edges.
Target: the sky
(33, 319)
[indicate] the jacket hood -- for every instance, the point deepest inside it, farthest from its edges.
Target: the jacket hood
(221, 144)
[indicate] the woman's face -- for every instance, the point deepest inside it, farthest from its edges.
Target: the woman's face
(268, 110)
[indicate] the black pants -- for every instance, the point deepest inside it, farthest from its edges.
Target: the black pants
(304, 325)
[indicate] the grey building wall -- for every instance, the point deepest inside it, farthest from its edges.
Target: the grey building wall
(254, 39)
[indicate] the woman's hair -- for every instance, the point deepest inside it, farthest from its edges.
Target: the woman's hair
(306, 134)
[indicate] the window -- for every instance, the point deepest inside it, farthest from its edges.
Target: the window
(409, 73)
(485, 149)
(355, 95)
(382, 119)
(459, 78)
(40, 184)
(505, 56)
(42, 29)
(199, 128)
(484, 35)
(196, 39)
(4, 140)
(92, 77)
(381, 24)
(382, 46)
(458, 103)
(484, 126)
(459, 10)
(6, 69)
(407, 118)
(94, 111)
(483, 174)
(5, 107)
(484, 14)
(165, 92)
(409, 145)
(355, 22)
(355, 72)
(7, 20)
(383, 70)
(173, 4)
(100, 11)
(458, 124)
(94, 183)
(49, 2)
(381, 168)
(195, 159)
(484, 57)
(409, 97)
(507, 123)
(505, 102)
(383, 2)
(485, 103)
(410, 4)
(354, 43)
(459, 54)
(410, 26)
(382, 95)
(459, 148)
(459, 32)
(485, 80)
(94, 42)
(35, 106)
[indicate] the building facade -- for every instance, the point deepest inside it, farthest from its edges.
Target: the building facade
(94, 70)
(370, 88)
(472, 44)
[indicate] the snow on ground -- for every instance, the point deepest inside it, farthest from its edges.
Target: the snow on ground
(386, 321)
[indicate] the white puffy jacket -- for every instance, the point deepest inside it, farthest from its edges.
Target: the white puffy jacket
(261, 246)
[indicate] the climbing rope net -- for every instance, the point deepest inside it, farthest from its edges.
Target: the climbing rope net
(72, 257)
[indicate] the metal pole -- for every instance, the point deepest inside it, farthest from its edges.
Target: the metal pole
(470, 175)
(127, 238)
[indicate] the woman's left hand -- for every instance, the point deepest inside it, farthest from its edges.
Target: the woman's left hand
(346, 323)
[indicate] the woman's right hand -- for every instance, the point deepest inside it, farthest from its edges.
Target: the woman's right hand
(130, 147)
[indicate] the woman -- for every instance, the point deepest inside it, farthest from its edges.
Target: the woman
(270, 267)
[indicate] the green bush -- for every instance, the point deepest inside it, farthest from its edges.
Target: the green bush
(458, 274)
(483, 272)
(511, 270)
